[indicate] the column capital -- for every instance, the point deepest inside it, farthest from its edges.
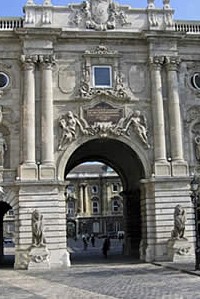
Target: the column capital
(29, 61)
(172, 62)
(156, 62)
(47, 61)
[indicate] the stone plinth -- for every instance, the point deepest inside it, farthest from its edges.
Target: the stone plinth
(39, 258)
(179, 250)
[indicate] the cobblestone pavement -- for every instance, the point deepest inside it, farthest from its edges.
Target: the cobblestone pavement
(101, 281)
(93, 277)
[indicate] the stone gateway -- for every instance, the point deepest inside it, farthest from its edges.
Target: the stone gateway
(98, 81)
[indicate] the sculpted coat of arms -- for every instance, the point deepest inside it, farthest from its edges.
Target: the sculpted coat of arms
(102, 14)
(99, 14)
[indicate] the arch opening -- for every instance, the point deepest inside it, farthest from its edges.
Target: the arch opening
(129, 170)
(6, 234)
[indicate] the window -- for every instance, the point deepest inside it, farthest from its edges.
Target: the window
(4, 80)
(94, 189)
(102, 76)
(11, 213)
(95, 227)
(115, 187)
(70, 208)
(195, 80)
(115, 205)
(95, 207)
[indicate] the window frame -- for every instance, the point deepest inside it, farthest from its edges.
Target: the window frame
(110, 76)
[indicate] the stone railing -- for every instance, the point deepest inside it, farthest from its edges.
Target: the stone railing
(191, 27)
(11, 23)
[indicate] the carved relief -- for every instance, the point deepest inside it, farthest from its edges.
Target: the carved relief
(69, 124)
(111, 125)
(100, 15)
(118, 89)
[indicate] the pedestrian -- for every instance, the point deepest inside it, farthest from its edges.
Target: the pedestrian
(93, 240)
(106, 246)
(85, 244)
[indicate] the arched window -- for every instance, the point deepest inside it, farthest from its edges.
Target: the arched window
(116, 204)
(95, 207)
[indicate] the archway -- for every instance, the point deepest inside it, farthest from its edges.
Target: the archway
(126, 162)
(4, 208)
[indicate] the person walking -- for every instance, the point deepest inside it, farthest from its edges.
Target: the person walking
(85, 243)
(106, 247)
(92, 240)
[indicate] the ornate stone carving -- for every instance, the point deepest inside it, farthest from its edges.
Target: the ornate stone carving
(3, 149)
(150, 4)
(179, 222)
(38, 239)
(118, 89)
(166, 4)
(38, 253)
(101, 50)
(100, 15)
(172, 62)
(134, 120)
(69, 124)
(197, 145)
(193, 114)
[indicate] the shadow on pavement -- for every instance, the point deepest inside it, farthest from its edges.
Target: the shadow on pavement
(100, 259)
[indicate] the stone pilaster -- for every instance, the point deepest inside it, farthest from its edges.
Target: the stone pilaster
(28, 170)
(179, 166)
(81, 198)
(47, 167)
(161, 167)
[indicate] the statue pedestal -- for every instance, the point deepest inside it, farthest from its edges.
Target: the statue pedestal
(39, 258)
(179, 250)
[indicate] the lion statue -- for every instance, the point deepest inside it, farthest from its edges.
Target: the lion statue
(179, 222)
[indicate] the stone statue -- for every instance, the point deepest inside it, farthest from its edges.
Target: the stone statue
(197, 146)
(179, 222)
(38, 239)
(139, 124)
(3, 148)
(69, 124)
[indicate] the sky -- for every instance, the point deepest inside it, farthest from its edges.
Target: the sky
(184, 9)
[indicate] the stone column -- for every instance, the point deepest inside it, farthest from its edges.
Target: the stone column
(179, 167)
(85, 198)
(162, 167)
(81, 198)
(28, 170)
(47, 168)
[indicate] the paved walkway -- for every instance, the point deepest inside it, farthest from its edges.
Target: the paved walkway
(100, 281)
(93, 277)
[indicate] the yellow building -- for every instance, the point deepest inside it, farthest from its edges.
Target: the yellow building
(93, 200)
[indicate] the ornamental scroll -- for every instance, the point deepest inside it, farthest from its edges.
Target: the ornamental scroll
(71, 125)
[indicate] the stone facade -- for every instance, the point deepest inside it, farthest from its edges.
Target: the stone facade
(97, 81)
(94, 204)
